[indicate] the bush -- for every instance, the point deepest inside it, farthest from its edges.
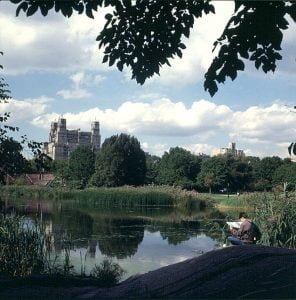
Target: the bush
(108, 273)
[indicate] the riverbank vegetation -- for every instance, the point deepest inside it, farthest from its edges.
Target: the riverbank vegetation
(25, 252)
(126, 196)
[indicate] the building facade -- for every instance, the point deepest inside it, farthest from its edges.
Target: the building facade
(63, 141)
(231, 150)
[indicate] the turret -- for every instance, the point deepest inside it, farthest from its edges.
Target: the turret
(95, 136)
(61, 131)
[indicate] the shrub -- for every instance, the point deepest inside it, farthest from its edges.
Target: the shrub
(108, 273)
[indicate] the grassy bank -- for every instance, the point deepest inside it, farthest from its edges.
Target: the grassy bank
(273, 212)
(125, 196)
(246, 201)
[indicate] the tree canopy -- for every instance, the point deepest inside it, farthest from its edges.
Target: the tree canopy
(81, 164)
(144, 34)
(12, 161)
(178, 167)
(120, 161)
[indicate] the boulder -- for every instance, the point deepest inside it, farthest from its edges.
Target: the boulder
(248, 272)
(234, 272)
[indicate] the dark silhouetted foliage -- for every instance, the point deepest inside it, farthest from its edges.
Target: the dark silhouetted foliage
(145, 34)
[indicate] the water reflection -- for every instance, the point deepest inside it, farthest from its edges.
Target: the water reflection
(119, 238)
(140, 239)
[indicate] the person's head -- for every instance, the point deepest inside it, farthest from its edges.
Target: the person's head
(243, 215)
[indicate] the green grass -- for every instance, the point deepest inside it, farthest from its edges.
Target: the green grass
(120, 197)
(246, 201)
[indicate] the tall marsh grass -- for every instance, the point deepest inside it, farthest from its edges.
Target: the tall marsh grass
(25, 251)
(22, 247)
(276, 217)
(126, 196)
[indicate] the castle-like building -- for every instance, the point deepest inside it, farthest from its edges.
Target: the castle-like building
(63, 141)
(231, 150)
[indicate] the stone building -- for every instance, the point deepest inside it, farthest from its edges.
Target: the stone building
(63, 141)
(231, 150)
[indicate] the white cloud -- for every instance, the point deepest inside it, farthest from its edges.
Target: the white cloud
(268, 127)
(159, 118)
(51, 44)
(200, 148)
(80, 80)
(60, 44)
(257, 124)
(24, 110)
(156, 149)
(76, 93)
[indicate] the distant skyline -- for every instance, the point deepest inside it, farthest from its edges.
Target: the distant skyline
(53, 68)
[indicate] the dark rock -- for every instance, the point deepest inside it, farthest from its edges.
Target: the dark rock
(248, 272)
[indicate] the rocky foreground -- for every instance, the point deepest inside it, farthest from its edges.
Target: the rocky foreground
(248, 272)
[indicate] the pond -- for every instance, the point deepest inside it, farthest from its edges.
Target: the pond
(139, 239)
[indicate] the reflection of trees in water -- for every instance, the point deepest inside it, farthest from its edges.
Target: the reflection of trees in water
(119, 238)
(73, 225)
(215, 225)
(176, 233)
(177, 230)
(118, 232)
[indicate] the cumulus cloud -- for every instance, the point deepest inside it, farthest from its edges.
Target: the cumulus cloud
(23, 110)
(258, 124)
(52, 44)
(156, 149)
(200, 148)
(269, 127)
(159, 118)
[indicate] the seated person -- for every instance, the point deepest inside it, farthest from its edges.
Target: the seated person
(242, 235)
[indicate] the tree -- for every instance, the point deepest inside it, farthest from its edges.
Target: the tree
(12, 161)
(214, 173)
(40, 163)
(81, 164)
(285, 175)
(144, 34)
(152, 166)
(178, 167)
(121, 161)
(61, 170)
(264, 170)
(241, 174)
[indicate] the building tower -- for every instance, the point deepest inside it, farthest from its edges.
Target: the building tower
(95, 136)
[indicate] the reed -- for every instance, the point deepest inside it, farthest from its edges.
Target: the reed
(25, 252)
(121, 197)
(22, 247)
(276, 217)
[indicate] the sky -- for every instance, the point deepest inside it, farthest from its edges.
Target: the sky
(54, 68)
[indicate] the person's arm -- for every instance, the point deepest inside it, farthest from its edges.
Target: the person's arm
(241, 229)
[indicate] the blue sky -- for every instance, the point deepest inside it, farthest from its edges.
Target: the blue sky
(53, 67)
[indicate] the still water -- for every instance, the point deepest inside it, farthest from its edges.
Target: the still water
(140, 240)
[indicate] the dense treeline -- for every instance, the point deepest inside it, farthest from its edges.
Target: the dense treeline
(121, 161)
